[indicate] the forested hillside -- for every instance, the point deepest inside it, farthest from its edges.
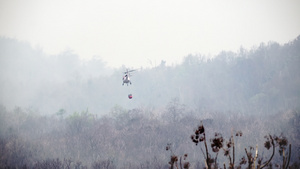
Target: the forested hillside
(60, 111)
(265, 79)
(137, 138)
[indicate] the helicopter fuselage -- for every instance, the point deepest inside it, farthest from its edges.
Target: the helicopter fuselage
(126, 80)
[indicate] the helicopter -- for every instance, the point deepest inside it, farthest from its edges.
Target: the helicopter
(126, 77)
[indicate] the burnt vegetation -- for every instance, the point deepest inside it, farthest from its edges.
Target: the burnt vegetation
(236, 110)
(82, 140)
(252, 159)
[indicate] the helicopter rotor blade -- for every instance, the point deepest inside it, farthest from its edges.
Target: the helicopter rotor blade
(127, 71)
(131, 70)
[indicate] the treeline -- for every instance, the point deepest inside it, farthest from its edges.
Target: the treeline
(137, 138)
(264, 79)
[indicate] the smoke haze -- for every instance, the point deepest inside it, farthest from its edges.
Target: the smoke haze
(56, 108)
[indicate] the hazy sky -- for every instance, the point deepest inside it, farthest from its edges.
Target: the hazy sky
(140, 32)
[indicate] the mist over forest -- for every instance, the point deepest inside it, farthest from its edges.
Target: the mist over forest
(262, 80)
(59, 109)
